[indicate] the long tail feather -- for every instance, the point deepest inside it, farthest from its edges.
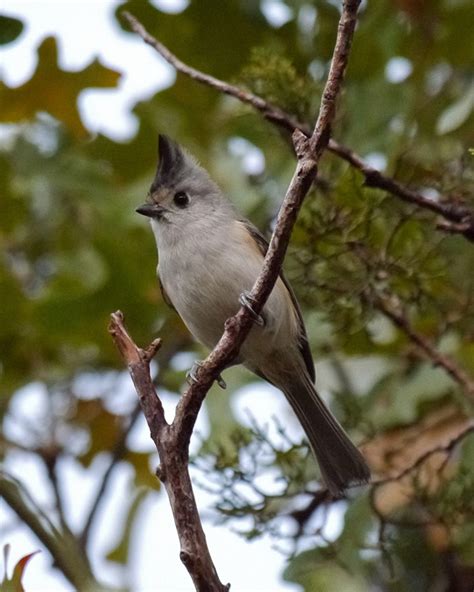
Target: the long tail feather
(341, 463)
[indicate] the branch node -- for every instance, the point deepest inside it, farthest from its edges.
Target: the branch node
(185, 558)
(300, 143)
(150, 352)
(160, 472)
(125, 344)
(372, 178)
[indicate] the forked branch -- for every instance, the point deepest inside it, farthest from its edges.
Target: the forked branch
(173, 471)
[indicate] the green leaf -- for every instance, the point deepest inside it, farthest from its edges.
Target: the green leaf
(10, 29)
(144, 476)
(324, 576)
(120, 553)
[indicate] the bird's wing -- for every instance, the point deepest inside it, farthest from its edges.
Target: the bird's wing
(262, 244)
(165, 296)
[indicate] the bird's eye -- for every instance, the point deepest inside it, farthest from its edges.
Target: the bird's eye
(181, 199)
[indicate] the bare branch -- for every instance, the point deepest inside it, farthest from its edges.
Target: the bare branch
(117, 453)
(346, 26)
(461, 217)
(446, 448)
(438, 359)
(173, 471)
(138, 362)
(120, 447)
(67, 554)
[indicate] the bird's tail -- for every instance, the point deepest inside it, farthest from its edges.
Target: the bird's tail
(340, 462)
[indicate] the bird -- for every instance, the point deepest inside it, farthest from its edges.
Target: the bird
(209, 258)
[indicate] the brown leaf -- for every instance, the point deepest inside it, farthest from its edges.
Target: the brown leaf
(54, 90)
(390, 453)
(104, 427)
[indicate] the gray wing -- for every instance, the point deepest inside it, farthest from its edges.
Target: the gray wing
(165, 296)
(303, 338)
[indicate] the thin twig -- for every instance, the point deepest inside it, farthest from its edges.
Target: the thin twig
(50, 458)
(438, 359)
(414, 467)
(446, 448)
(138, 361)
(461, 217)
(67, 554)
(117, 453)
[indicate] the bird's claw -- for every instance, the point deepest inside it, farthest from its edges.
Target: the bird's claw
(221, 382)
(246, 299)
(191, 375)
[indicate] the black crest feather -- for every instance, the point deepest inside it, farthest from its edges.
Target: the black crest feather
(171, 160)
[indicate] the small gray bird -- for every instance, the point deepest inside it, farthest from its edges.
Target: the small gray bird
(209, 259)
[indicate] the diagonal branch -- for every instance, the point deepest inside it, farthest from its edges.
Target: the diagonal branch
(117, 453)
(119, 449)
(172, 440)
(439, 359)
(447, 448)
(457, 219)
(62, 546)
(308, 152)
(173, 471)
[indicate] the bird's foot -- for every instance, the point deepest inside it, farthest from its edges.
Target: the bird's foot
(246, 300)
(191, 375)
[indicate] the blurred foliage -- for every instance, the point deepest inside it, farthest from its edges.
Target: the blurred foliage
(73, 250)
(22, 103)
(10, 29)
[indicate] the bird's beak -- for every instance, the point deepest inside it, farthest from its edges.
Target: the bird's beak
(150, 210)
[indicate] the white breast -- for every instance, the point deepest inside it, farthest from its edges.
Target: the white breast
(205, 271)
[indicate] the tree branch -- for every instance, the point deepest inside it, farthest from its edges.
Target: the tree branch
(172, 441)
(446, 448)
(67, 554)
(120, 447)
(439, 359)
(50, 459)
(458, 219)
(173, 471)
(117, 454)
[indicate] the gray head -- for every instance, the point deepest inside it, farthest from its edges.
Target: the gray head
(182, 192)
